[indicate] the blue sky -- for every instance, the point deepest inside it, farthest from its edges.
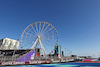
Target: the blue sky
(77, 21)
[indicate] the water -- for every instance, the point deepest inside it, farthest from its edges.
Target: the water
(73, 64)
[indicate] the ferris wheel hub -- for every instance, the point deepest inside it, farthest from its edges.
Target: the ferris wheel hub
(39, 37)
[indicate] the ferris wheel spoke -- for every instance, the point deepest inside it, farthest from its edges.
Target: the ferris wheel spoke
(39, 26)
(36, 27)
(27, 44)
(29, 34)
(33, 29)
(43, 27)
(46, 46)
(28, 37)
(27, 40)
(30, 30)
(46, 28)
(49, 36)
(50, 40)
(50, 33)
(48, 43)
(30, 45)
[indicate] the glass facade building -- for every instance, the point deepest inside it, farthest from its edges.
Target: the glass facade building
(58, 50)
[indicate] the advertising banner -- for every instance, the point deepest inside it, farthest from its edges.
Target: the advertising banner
(27, 57)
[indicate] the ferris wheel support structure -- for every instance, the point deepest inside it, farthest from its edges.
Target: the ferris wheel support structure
(38, 41)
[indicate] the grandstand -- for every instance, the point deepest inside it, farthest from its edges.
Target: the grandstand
(9, 50)
(12, 55)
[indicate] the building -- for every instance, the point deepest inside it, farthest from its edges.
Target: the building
(62, 53)
(87, 57)
(8, 44)
(58, 50)
(37, 52)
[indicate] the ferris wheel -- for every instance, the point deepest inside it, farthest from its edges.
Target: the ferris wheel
(39, 35)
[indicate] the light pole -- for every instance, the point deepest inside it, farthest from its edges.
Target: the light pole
(13, 55)
(65, 51)
(65, 54)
